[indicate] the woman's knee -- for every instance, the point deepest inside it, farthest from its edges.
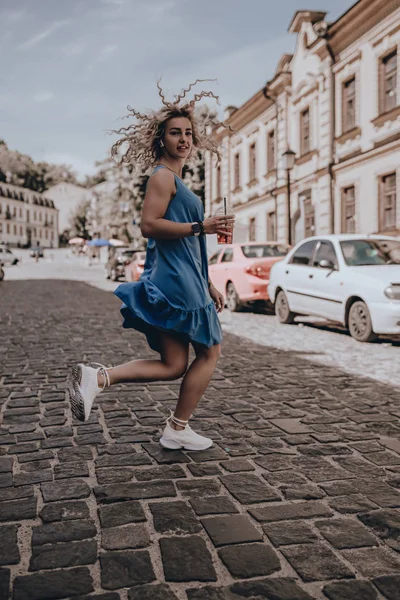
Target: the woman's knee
(176, 369)
(212, 354)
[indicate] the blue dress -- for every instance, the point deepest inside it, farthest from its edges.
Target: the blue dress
(172, 294)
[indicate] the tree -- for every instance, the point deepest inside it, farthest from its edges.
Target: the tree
(80, 220)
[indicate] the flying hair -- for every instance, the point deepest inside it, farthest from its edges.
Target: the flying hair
(140, 141)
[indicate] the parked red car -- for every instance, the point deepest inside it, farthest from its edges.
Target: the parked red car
(241, 271)
(135, 268)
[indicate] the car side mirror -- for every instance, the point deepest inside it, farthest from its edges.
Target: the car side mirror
(326, 264)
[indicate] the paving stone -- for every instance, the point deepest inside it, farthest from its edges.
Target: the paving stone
(350, 590)
(292, 510)
(345, 533)
(213, 506)
(74, 454)
(385, 523)
(213, 453)
(18, 510)
(71, 469)
(233, 529)
(199, 487)
(165, 457)
(186, 559)
(163, 472)
(16, 493)
(205, 469)
(284, 477)
(64, 511)
(302, 492)
(72, 489)
(248, 488)
(6, 480)
(269, 589)
(114, 475)
(125, 569)
(319, 469)
(373, 562)
(287, 533)
(123, 460)
(72, 554)
(249, 560)
(175, 517)
(121, 513)
(39, 455)
(159, 591)
(51, 533)
(36, 465)
(354, 503)
(134, 491)
(53, 585)
(6, 464)
(107, 596)
(33, 477)
(237, 465)
(389, 586)
(9, 552)
(4, 584)
(316, 562)
(292, 426)
(273, 462)
(121, 538)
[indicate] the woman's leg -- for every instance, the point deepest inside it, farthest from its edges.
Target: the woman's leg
(173, 363)
(196, 380)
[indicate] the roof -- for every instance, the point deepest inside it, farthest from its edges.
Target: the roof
(21, 194)
(343, 237)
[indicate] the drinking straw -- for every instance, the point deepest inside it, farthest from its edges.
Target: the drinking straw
(224, 206)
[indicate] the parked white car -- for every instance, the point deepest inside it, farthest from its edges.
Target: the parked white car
(349, 279)
(7, 257)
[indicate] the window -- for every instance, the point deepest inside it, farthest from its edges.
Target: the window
(349, 210)
(51, 235)
(236, 164)
(46, 233)
(305, 144)
(264, 250)
(388, 202)
(1, 208)
(227, 255)
(1, 227)
(271, 226)
(15, 211)
(214, 258)
(252, 229)
(8, 228)
(309, 213)
(40, 216)
(325, 251)
(349, 105)
(388, 82)
(27, 216)
(361, 252)
(219, 181)
(304, 254)
(34, 215)
(271, 156)
(252, 162)
(21, 230)
(15, 229)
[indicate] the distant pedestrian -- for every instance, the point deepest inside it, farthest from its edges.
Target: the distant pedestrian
(174, 303)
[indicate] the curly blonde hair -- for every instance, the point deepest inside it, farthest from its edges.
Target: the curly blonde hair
(141, 140)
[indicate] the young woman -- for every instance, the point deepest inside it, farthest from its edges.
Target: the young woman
(174, 303)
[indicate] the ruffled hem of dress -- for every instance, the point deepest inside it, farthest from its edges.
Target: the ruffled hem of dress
(146, 309)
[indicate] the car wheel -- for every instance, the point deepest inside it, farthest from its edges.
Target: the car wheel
(232, 298)
(1, 274)
(15, 262)
(360, 324)
(114, 275)
(282, 310)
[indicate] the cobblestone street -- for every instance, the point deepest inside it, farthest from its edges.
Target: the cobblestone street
(297, 500)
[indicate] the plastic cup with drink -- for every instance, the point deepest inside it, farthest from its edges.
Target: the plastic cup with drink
(224, 238)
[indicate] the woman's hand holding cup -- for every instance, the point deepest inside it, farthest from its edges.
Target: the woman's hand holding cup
(222, 225)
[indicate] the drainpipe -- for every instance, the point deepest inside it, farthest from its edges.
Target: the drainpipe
(333, 116)
(273, 191)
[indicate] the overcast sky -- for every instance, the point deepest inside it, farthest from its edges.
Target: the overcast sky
(70, 67)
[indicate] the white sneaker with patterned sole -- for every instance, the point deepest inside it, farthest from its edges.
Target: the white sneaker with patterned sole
(85, 388)
(183, 438)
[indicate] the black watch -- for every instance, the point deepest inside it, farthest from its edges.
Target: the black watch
(197, 228)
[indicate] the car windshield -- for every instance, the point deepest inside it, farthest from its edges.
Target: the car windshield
(359, 253)
(264, 250)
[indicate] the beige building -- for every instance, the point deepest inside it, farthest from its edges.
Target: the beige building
(67, 197)
(27, 217)
(333, 110)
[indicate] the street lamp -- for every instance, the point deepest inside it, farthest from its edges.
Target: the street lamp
(288, 164)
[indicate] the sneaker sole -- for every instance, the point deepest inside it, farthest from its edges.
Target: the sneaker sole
(77, 404)
(170, 445)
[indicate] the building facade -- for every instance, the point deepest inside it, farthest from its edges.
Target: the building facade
(335, 106)
(68, 197)
(27, 217)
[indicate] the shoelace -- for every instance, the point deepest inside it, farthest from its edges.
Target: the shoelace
(104, 374)
(176, 421)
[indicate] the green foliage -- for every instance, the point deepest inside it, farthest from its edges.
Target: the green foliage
(80, 221)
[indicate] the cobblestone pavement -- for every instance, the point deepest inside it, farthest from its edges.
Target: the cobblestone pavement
(297, 500)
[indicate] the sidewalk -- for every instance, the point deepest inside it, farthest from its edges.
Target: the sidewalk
(297, 500)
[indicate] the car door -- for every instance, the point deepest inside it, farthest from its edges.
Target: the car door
(296, 277)
(225, 269)
(327, 285)
(214, 269)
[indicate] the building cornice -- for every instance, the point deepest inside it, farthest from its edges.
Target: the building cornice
(245, 114)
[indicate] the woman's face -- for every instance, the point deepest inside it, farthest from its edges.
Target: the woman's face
(178, 138)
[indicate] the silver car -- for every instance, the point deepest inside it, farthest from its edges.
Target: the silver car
(7, 257)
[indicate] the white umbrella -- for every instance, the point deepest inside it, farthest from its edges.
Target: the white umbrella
(76, 241)
(115, 242)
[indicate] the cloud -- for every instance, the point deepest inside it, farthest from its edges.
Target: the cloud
(43, 96)
(13, 15)
(75, 48)
(44, 34)
(157, 11)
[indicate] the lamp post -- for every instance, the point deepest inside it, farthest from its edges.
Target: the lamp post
(288, 164)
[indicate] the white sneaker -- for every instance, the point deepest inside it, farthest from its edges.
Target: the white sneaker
(184, 438)
(84, 382)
